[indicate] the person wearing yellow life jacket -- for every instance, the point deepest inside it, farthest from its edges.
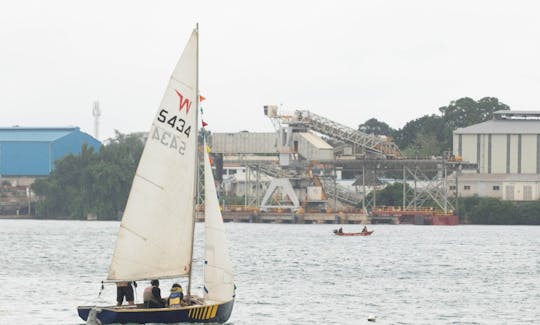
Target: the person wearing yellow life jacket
(152, 296)
(176, 296)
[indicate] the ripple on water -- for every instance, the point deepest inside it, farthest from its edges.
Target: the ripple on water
(296, 274)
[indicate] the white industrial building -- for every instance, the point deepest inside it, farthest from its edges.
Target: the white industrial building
(507, 152)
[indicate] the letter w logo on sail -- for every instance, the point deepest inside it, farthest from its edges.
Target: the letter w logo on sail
(183, 102)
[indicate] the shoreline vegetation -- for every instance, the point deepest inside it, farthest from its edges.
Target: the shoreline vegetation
(97, 183)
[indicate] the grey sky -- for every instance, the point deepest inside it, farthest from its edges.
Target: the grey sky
(346, 60)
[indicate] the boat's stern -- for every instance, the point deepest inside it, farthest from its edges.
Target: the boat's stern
(211, 313)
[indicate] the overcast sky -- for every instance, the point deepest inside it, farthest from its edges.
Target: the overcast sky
(346, 60)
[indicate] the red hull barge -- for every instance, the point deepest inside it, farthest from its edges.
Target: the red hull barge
(397, 215)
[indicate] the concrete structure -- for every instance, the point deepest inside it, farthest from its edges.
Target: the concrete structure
(508, 144)
(507, 151)
(512, 187)
(26, 151)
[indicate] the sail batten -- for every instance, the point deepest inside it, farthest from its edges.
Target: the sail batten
(155, 236)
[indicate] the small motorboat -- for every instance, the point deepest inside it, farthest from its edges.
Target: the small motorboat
(339, 232)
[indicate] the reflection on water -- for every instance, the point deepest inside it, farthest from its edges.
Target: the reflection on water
(296, 274)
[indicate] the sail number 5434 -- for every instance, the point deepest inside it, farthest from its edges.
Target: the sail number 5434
(174, 122)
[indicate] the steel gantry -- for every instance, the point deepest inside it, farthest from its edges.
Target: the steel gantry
(360, 141)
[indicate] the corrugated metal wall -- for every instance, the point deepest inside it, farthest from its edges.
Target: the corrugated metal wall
(313, 150)
(24, 158)
(36, 157)
(244, 143)
(72, 143)
(500, 153)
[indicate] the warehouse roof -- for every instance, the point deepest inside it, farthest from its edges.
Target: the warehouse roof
(523, 115)
(502, 127)
(36, 134)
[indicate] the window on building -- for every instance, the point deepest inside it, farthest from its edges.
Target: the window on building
(467, 187)
(452, 187)
(496, 188)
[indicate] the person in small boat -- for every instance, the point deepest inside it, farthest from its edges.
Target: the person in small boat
(340, 230)
(176, 296)
(365, 229)
(124, 289)
(152, 296)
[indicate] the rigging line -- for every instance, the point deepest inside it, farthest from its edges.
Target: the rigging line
(133, 232)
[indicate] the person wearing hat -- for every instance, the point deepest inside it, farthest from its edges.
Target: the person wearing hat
(176, 296)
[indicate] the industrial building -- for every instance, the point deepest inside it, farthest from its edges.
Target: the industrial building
(306, 171)
(31, 151)
(506, 150)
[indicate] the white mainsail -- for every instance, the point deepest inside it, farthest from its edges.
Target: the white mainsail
(155, 236)
(218, 273)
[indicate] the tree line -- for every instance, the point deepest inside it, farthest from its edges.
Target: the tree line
(432, 134)
(91, 182)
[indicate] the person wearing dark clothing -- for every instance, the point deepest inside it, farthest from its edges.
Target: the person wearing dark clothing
(124, 289)
(152, 296)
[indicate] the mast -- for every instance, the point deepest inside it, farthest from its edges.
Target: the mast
(195, 180)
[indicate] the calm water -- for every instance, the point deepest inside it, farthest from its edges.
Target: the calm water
(296, 274)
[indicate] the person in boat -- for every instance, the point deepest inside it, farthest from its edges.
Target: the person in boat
(152, 296)
(340, 230)
(365, 229)
(176, 296)
(124, 289)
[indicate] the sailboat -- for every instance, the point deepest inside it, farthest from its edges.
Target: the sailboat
(156, 235)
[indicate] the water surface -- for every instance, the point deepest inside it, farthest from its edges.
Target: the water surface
(295, 274)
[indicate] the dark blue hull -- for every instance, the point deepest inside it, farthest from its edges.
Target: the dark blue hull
(217, 313)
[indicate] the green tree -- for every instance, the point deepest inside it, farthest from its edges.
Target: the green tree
(391, 195)
(466, 111)
(492, 211)
(374, 126)
(90, 182)
(415, 133)
(432, 134)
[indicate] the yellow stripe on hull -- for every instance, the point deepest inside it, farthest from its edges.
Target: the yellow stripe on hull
(203, 313)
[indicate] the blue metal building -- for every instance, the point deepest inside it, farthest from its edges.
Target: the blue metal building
(26, 151)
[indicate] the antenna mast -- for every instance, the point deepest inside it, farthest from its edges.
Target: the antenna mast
(96, 112)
